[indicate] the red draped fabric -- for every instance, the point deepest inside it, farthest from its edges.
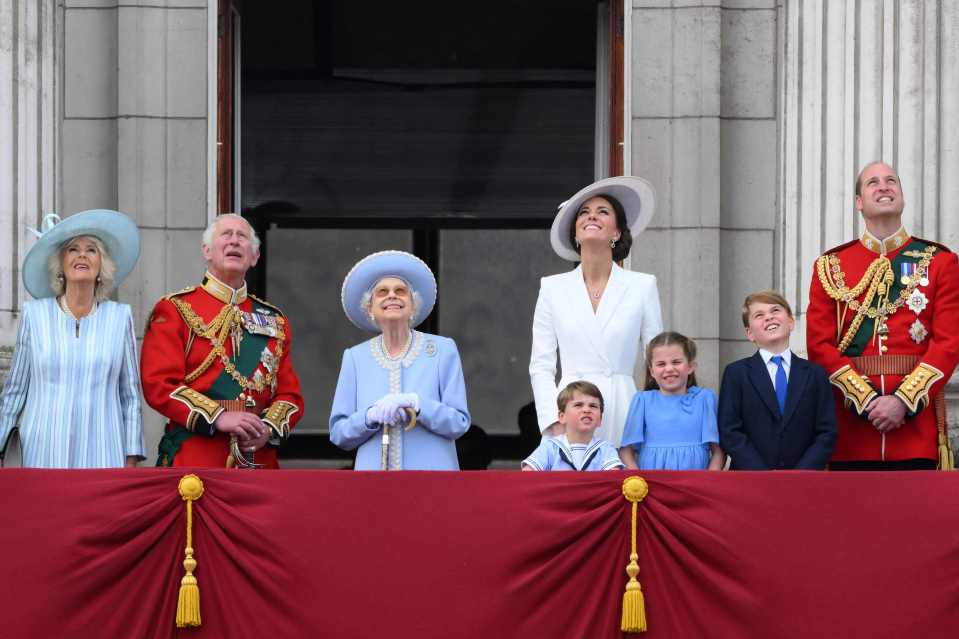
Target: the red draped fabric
(494, 554)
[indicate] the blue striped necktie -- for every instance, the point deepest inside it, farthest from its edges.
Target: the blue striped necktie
(781, 382)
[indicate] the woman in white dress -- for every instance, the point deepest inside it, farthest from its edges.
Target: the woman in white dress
(74, 382)
(598, 316)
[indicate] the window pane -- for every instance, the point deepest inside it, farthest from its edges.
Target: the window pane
(488, 290)
(304, 275)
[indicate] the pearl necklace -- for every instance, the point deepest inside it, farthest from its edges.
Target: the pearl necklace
(403, 351)
(62, 302)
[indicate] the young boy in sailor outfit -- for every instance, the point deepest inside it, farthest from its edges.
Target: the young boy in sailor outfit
(580, 414)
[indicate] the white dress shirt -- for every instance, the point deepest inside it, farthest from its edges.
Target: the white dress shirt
(771, 366)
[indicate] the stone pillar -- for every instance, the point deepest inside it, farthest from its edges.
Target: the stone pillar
(704, 106)
(135, 136)
(860, 81)
(29, 135)
(675, 97)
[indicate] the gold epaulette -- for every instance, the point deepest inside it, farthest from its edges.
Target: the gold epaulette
(856, 388)
(182, 291)
(941, 247)
(914, 389)
(267, 304)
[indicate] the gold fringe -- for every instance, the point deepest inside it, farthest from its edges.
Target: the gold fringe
(635, 490)
(188, 602)
(946, 459)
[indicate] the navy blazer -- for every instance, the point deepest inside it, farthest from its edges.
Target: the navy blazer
(757, 436)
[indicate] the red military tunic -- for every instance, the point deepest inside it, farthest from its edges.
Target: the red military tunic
(882, 320)
(191, 371)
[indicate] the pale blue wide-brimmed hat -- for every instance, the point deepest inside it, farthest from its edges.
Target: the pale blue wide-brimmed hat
(637, 196)
(117, 232)
(371, 269)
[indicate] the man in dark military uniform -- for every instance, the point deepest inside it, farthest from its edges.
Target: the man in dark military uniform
(882, 320)
(216, 362)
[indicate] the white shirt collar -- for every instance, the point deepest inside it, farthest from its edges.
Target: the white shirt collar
(767, 355)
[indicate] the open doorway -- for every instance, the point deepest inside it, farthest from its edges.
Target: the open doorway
(452, 132)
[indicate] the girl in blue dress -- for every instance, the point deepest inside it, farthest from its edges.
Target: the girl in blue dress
(672, 424)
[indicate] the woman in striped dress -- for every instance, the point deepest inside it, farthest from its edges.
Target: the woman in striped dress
(74, 383)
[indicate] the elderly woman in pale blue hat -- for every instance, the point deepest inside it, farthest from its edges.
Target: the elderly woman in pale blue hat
(74, 382)
(400, 399)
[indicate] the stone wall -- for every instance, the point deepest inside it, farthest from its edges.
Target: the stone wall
(704, 131)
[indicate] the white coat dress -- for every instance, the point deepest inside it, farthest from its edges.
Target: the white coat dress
(600, 347)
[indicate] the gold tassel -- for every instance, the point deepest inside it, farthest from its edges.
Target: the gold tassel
(634, 604)
(946, 459)
(188, 603)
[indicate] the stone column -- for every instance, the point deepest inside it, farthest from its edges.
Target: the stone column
(135, 136)
(675, 96)
(860, 81)
(704, 107)
(29, 135)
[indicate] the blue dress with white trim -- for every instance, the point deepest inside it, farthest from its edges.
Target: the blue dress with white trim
(672, 432)
(432, 370)
(76, 392)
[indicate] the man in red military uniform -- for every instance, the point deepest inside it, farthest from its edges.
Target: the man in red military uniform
(883, 320)
(216, 362)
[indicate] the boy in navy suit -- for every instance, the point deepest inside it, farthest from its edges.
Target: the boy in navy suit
(776, 410)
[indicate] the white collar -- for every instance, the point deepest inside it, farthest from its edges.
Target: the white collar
(767, 355)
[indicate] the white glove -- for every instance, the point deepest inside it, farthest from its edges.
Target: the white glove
(381, 413)
(408, 400)
(390, 409)
(402, 402)
(373, 416)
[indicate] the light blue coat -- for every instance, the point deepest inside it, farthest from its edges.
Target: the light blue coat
(432, 370)
(79, 394)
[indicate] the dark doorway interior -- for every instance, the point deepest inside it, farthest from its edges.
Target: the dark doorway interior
(449, 130)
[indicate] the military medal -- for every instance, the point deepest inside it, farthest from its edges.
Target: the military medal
(259, 323)
(917, 301)
(918, 332)
(924, 281)
(907, 269)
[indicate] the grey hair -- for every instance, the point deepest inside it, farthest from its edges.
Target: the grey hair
(107, 274)
(366, 301)
(208, 232)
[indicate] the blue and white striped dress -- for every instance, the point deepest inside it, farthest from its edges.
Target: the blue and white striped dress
(80, 396)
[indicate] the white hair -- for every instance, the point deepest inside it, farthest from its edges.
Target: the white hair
(211, 229)
(105, 278)
(366, 301)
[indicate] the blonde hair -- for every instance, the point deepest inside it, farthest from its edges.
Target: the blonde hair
(105, 278)
(669, 338)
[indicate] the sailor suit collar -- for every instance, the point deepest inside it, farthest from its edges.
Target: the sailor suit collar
(566, 451)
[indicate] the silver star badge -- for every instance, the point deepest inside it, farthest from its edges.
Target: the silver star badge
(918, 332)
(917, 301)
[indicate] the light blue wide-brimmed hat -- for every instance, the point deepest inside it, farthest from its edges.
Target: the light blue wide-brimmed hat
(117, 232)
(635, 194)
(371, 269)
